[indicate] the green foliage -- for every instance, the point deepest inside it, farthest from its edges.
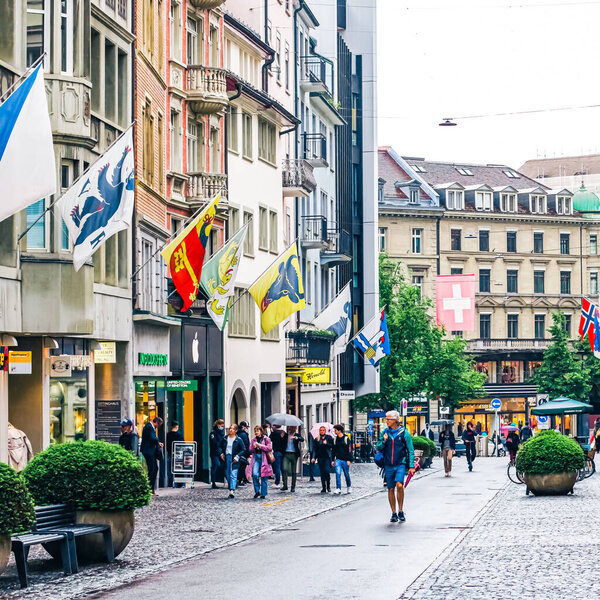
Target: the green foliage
(422, 360)
(90, 475)
(16, 506)
(422, 443)
(549, 452)
(562, 372)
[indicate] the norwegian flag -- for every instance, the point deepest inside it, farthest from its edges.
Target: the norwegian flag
(589, 323)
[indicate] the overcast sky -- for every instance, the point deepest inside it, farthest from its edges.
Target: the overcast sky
(451, 58)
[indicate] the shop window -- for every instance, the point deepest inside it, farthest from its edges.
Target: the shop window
(145, 403)
(510, 371)
(69, 408)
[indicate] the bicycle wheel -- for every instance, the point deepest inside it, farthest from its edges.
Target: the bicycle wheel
(514, 475)
(588, 470)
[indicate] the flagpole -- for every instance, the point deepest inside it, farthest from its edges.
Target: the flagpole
(33, 66)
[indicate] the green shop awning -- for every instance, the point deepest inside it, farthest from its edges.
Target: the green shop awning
(562, 406)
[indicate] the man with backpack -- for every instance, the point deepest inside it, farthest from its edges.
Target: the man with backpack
(396, 446)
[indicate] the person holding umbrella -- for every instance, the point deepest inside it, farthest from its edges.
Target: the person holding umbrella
(448, 447)
(321, 453)
(512, 442)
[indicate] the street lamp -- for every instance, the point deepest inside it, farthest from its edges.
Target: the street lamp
(447, 122)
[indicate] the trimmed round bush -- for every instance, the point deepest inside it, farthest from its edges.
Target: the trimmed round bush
(16, 506)
(422, 443)
(549, 452)
(91, 475)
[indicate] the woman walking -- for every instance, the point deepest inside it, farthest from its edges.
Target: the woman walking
(232, 448)
(448, 448)
(342, 457)
(261, 468)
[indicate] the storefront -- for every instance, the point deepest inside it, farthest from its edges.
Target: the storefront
(417, 416)
(480, 411)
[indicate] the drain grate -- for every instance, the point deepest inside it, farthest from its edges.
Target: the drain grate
(329, 546)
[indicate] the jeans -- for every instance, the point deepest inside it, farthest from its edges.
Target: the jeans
(342, 466)
(289, 468)
(277, 466)
(471, 453)
(215, 463)
(152, 464)
(260, 483)
(324, 469)
(231, 471)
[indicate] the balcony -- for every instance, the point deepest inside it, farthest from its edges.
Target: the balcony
(298, 178)
(314, 149)
(308, 347)
(339, 249)
(316, 75)
(314, 232)
(205, 186)
(506, 344)
(206, 89)
(207, 4)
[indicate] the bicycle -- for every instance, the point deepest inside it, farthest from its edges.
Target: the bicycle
(588, 470)
(514, 475)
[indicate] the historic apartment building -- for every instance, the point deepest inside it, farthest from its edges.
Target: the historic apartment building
(531, 250)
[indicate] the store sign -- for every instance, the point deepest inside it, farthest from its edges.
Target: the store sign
(312, 374)
(108, 420)
(19, 363)
(347, 394)
(146, 359)
(107, 354)
(3, 358)
(186, 385)
(60, 366)
(81, 361)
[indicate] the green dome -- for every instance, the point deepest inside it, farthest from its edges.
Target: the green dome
(586, 201)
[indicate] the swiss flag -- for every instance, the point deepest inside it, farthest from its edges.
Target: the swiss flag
(455, 302)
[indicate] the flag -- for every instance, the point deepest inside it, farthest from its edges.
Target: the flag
(27, 165)
(185, 254)
(219, 275)
(337, 318)
(279, 291)
(587, 315)
(594, 335)
(100, 203)
(373, 340)
(455, 302)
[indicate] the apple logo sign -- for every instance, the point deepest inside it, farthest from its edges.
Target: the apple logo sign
(195, 350)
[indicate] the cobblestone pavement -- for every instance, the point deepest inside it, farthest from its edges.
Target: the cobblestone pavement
(182, 524)
(521, 547)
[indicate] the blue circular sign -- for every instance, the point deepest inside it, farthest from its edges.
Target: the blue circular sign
(496, 404)
(542, 419)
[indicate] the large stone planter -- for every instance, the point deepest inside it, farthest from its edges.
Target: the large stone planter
(4, 551)
(554, 484)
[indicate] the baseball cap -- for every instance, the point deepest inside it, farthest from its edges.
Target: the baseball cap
(126, 422)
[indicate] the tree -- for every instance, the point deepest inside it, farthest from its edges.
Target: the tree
(562, 373)
(422, 361)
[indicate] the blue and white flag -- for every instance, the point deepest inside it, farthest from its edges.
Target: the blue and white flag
(100, 203)
(337, 317)
(27, 164)
(373, 340)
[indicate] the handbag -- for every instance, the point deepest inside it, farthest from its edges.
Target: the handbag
(270, 457)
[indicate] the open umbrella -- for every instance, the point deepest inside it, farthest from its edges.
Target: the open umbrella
(562, 406)
(314, 431)
(284, 420)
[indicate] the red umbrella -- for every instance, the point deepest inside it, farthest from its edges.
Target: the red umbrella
(410, 475)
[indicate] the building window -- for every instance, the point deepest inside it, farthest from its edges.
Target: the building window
(593, 244)
(66, 36)
(192, 146)
(539, 282)
(564, 243)
(417, 281)
(148, 144)
(36, 236)
(242, 320)
(382, 239)
(249, 239)
(287, 66)
(37, 36)
(485, 326)
(175, 142)
(512, 278)
(568, 325)
(273, 231)
(565, 282)
(512, 327)
(234, 220)
(511, 241)
(175, 30)
(267, 140)
(484, 280)
(456, 270)
(483, 200)
(215, 150)
(539, 327)
(247, 135)
(263, 229)
(537, 204)
(278, 56)
(508, 203)
(563, 205)
(538, 242)
(232, 129)
(417, 236)
(455, 239)
(414, 196)
(455, 200)
(594, 282)
(484, 240)
(195, 42)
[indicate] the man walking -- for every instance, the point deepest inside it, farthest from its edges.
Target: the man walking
(151, 449)
(526, 433)
(216, 437)
(243, 435)
(342, 457)
(278, 439)
(292, 441)
(173, 436)
(448, 447)
(468, 438)
(398, 456)
(322, 449)
(427, 432)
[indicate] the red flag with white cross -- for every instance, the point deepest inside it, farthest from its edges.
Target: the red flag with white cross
(455, 302)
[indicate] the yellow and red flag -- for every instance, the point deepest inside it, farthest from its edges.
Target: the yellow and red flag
(279, 291)
(185, 254)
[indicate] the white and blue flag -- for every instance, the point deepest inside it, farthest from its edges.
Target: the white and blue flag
(337, 317)
(100, 203)
(27, 164)
(373, 340)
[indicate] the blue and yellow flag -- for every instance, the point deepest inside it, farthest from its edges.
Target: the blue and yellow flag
(279, 291)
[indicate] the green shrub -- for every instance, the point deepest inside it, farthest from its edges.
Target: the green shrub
(90, 475)
(549, 452)
(16, 506)
(422, 443)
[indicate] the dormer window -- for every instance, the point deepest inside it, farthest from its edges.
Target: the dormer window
(563, 205)
(414, 196)
(483, 200)
(464, 171)
(455, 200)
(508, 203)
(537, 204)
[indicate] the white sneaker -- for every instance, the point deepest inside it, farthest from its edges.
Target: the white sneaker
(337, 491)
(349, 490)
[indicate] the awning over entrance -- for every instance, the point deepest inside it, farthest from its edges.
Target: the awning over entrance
(562, 406)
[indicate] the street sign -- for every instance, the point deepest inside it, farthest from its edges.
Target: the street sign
(404, 408)
(542, 399)
(347, 395)
(19, 363)
(445, 410)
(496, 404)
(543, 422)
(371, 422)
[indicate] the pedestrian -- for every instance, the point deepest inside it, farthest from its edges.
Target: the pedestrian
(342, 457)
(311, 449)
(151, 449)
(267, 429)
(292, 440)
(427, 432)
(398, 456)
(460, 429)
(216, 437)
(173, 436)
(468, 437)
(20, 451)
(478, 428)
(261, 468)
(243, 434)
(526, 433)
(321, 453)
(232, 448)
(128, 439)
(494, 439)
(512, 443)
(448, 448)
(277, 437)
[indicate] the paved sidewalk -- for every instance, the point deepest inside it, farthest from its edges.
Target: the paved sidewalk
(522, 547)
(183, 524)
